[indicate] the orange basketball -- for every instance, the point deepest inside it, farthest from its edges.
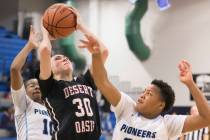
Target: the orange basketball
(59, 20)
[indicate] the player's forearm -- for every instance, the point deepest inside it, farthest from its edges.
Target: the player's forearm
(83, 29)
(45, 50)
(99, 71)
(16, 66)
(200, 100)
(102, 82)
(45, 61)
(20, 59)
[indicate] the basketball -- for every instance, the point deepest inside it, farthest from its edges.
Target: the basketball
(59, 20)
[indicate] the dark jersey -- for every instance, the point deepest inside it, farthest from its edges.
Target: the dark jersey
(73, 107)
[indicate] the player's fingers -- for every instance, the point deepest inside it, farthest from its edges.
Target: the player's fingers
(74, 10)
(181, 67)
(187, 64)
(84, 41)
(31, 29)
(90, 38)
(39, 37)
(82, 46)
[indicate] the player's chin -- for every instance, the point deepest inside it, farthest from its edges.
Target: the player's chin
(140, 106)
(67, 69)
(137, 107)
(37, 96)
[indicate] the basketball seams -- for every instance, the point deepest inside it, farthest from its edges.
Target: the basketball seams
(73, 26)
(57, 26)
(48, 18)
(62, 35)
(48, 26)
(60, 21)
(59, 32)
(54, 18)
(63, 18)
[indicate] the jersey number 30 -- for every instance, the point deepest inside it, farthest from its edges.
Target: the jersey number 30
(83, 106)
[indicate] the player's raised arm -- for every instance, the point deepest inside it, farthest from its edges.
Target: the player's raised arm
(101, 80)
(19, 60)
(201, 120)
(45, 55)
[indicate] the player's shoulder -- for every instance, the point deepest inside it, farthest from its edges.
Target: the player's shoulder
(173, 118)
(125, 96)
(169, 116)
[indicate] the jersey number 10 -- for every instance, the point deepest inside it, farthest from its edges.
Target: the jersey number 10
(83, 106)
(48, 127)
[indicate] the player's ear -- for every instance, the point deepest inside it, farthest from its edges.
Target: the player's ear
(162, 105)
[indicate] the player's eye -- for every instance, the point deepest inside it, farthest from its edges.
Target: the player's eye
(32, 86)
(58, 58)
(150, 93)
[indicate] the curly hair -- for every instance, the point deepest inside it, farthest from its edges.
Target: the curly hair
(167, 93)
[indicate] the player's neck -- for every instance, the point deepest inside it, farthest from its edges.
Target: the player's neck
(65, 77)
(150, 116)
(40, 101)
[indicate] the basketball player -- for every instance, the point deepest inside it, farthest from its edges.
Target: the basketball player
(71, 100)
(142, 119)
(31, 117)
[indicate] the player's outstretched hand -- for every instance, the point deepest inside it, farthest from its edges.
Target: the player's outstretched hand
(185, 72)
(34, 37)
(91, 44)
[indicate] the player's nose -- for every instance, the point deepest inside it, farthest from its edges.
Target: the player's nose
(142, 96)
(65, 59)
(37, 87)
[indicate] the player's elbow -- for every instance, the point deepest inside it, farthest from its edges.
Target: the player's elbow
(14, 68)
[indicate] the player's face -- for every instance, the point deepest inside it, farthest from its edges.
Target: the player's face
(33, 90)
(60, 64)
(150, 101)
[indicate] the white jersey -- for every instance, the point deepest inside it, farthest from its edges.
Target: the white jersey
(32, 120)
(132, 126)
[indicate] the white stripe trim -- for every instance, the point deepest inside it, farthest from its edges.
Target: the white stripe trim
(26, 123)
(53, 117)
